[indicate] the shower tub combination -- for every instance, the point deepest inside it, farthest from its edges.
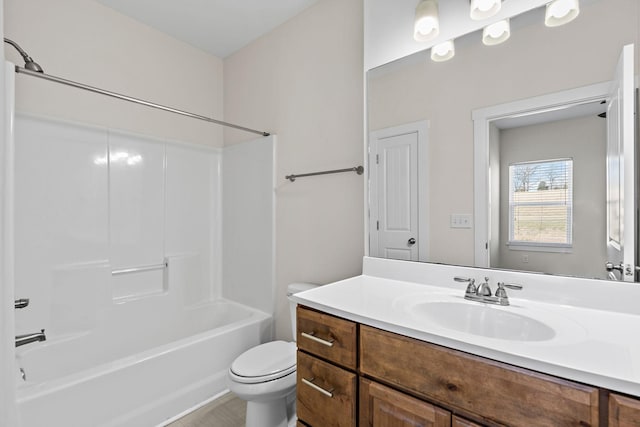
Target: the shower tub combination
(127, 344)
(148, 388)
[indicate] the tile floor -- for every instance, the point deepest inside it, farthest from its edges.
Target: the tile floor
(226, 411)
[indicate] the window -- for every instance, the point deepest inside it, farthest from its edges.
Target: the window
(541, 204)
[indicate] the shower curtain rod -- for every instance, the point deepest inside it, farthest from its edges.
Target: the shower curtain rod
(21, 70)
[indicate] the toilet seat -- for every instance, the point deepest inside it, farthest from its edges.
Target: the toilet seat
(265, 362)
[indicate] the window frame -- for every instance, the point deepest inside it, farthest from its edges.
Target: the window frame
(523, 245)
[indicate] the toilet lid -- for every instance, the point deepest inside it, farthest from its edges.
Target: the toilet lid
(266, 361)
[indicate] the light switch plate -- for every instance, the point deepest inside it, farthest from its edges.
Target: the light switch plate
(460, 221)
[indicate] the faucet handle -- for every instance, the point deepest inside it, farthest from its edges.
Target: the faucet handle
(471, 287)
(501, 293)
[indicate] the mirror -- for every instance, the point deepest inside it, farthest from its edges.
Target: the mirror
(422, 107)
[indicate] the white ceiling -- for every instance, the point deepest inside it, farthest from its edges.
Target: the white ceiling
(219, 27)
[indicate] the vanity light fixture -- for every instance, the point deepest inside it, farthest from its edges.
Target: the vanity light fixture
(426, 25)
(483, 9)
(443, 51)
(496, 33)
(559, 12)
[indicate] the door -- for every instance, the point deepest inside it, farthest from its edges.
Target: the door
(620, 171)
(395, 214)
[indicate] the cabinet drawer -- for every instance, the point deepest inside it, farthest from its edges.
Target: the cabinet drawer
(327, 336)
(326, 394)
(623, 411)
(384, 406)
(495, 391)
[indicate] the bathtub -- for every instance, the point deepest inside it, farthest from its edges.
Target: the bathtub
(75, 381)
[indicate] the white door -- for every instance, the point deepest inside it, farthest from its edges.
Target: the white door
(620, 170)
(394, 203)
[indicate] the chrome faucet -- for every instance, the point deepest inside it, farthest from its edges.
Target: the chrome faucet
(482, 292)
(29, 338)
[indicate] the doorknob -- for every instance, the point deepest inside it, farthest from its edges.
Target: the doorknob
(611, 266)
(411, 241)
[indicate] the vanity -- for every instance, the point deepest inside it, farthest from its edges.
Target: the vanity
(380, 350)
(400, 345)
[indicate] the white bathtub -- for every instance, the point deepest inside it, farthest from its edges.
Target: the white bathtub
(76, 381)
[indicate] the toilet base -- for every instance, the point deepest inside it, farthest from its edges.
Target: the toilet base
(272, 413)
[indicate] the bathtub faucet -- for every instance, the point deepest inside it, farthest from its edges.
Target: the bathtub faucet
(29, 338)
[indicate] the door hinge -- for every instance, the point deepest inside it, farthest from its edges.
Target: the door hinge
(377, 225)
(486, 245)
(377, 159)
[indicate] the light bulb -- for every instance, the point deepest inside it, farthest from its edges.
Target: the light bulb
(443, 51)
(560, 12)
(483, 9)
(496, 33)
(427, 24)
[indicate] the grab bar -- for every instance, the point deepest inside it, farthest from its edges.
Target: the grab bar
(358, 169)
(140, 269)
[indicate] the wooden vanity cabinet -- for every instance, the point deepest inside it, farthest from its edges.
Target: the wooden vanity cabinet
(497, 393)
(326, 379)
(375, 378)
(623, 411)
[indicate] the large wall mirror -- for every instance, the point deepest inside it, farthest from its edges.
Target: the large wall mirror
(543, 189)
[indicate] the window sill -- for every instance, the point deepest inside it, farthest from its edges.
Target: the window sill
(559, 248)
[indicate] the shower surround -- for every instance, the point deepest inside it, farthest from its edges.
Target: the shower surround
(139, 347)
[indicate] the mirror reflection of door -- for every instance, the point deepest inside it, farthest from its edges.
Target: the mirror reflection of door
(395, 214)
(620, 241)
(542, 203)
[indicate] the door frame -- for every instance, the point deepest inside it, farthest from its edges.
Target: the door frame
(420, 127)
(482, 119)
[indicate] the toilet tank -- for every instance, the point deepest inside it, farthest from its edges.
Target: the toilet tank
(294, 288)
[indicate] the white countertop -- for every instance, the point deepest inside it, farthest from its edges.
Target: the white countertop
(591, 345)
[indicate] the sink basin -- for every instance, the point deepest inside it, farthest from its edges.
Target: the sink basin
(484, 320)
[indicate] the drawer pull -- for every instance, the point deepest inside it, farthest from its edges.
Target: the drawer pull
(311, 336)
(310, 383)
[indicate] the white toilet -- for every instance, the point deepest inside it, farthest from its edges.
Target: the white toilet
(265, 376)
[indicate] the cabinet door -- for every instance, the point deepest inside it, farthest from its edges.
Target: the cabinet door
(461, 422)
(623, 411)
(326, 394)
(495, 392)
(382, 406)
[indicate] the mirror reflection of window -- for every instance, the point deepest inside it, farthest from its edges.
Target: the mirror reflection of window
(541, 203)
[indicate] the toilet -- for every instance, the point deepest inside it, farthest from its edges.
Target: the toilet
(265, 376)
